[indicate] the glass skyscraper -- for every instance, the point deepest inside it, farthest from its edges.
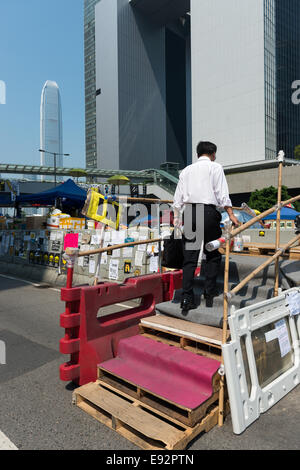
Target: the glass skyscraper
(270, 79)
(90, 83)
(287, 71)
(51, 133)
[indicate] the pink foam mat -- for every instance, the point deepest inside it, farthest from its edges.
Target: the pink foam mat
(179, 376)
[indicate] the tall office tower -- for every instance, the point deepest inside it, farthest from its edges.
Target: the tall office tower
(246, 55)
(288, 71)
(169, 74)
(90, 83)
(51, 135)
(142, 92)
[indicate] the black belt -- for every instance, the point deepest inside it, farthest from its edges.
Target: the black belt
(200, 203)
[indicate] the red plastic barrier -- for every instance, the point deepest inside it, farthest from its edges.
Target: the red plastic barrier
(90, 340)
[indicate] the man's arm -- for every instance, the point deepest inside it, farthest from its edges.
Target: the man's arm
(231, 215)
(178, 202)
(222, 194)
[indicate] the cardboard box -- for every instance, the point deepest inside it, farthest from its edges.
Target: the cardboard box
(36, 222)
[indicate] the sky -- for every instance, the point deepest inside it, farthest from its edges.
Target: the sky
(41, 40)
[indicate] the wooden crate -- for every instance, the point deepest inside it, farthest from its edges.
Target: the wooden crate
(180, 413)
(138, 422)
(199, 339)
(264, 250)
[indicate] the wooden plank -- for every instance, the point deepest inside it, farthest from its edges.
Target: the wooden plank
(136, 424)
(138, 419)
(180, 414)
(158, 329)
(126, 394)
(202, 348)
(264, 250)
(208, 334)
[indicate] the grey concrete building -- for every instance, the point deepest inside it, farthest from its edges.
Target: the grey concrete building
(161, 75)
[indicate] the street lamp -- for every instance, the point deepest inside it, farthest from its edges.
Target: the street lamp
(55, 154)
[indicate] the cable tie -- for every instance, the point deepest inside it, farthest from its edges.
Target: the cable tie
(228, 296)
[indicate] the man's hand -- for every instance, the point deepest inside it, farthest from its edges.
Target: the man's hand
(232, 217)
(234, 220)
(177, 221)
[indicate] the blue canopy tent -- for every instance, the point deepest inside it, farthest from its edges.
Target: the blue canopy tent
(286, 214)
(69, 193)
(5, 200)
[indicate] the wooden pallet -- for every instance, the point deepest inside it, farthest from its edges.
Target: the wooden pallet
(266, 249)
(180, 413)
(199, 339)
(138, 422)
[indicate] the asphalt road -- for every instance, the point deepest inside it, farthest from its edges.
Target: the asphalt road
(36, 412)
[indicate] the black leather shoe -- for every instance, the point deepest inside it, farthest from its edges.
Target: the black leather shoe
(187, 304)
(209, 301)
(209, 298)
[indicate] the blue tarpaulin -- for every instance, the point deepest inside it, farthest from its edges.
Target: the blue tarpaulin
(286, 214)
(69, 192)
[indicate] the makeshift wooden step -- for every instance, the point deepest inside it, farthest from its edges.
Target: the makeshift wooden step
(199, 339)
(160, 404)
(138, 422)
(179, 383)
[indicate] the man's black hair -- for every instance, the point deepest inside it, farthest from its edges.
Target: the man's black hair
(206, 148)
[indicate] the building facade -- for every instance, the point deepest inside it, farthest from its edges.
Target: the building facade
(288, 71)
(90, 82)
(159, 78)
(51, 131)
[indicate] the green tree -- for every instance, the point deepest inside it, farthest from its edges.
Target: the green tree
(297, 152)
(264, 199)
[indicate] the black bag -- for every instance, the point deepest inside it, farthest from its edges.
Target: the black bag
(173, 252)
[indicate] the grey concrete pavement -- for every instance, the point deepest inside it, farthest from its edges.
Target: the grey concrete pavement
(36, 410)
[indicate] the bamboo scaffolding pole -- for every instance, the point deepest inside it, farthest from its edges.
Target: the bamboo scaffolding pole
(224, 335)
(278, 218)
(70, 251)
(264, 265)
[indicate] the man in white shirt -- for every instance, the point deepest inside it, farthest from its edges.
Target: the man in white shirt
(202, 184)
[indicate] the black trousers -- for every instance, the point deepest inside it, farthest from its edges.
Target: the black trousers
(211, 231)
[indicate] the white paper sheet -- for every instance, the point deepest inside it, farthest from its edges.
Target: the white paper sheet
(114, 269)
(96, 239)
(139, 257)
(153, 267)
(142, 247)
(283, 337)
(107, 236)
(116, 253)
(103, 258)
(294, 303)
(127, 252)
(92, 266)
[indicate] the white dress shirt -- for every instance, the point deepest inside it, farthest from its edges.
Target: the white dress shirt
(203, 182)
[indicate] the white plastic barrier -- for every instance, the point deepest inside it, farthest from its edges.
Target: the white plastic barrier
(262, 360)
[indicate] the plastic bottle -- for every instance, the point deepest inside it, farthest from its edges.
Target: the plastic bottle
(214, 245)
(238, 244)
